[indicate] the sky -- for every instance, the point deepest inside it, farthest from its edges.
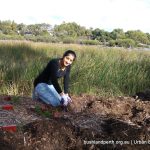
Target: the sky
(102, 14)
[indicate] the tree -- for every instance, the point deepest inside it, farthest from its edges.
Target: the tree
(14, 27)
(137, 36)
(69, 30)
(148, 36)
(117, 34)
(100, 35)
(5, 27)
(45, 29)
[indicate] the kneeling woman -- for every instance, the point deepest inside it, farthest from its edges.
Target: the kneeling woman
(46, 86)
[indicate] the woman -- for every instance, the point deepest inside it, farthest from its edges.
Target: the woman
(46, 86)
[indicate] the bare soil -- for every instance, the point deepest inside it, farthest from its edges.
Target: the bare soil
(91, 123)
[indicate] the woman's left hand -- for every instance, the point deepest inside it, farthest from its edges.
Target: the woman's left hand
(69, 99)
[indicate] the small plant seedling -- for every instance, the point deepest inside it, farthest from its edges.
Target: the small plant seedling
(15, 99)
(39, 111)
(47, 114)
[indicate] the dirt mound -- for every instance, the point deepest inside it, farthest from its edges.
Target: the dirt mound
(91, 123)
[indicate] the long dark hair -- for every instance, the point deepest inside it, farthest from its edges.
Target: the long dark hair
(68, 52)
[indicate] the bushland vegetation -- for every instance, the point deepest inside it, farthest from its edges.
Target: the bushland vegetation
(98, 70)
(73, 33)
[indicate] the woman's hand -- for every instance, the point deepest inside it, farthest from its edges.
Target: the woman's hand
(69, 99)
(65, 99)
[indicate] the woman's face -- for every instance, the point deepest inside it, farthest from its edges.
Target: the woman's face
(68, 60)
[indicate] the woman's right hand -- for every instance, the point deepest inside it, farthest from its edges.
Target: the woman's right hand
(64, 100)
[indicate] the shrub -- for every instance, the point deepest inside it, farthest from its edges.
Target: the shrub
(47, 39)
(125, 43)
(112, 43)
(90, 42)
(69, 40)
(11, 37)
(122, 43)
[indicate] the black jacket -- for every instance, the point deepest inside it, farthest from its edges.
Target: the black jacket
(51, 74)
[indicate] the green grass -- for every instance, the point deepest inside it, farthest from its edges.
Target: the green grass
(16, 99)
(98, 70)
(42, 113)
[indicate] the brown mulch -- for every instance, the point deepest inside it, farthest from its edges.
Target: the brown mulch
(88, 118)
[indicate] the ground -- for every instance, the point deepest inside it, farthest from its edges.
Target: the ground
(91, 122)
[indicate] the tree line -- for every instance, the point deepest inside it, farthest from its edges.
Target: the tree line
(72, 33)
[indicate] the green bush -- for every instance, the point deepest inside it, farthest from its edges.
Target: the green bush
(11, 37)
(127, 43)
(90, 42)
(69, 40)
(112, 43)
(47, 39)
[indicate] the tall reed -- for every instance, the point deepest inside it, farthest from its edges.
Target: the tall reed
(98, 70)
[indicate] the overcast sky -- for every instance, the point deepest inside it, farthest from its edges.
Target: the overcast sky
(103, 14)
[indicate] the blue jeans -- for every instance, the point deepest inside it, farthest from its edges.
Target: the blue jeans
(46, 93)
